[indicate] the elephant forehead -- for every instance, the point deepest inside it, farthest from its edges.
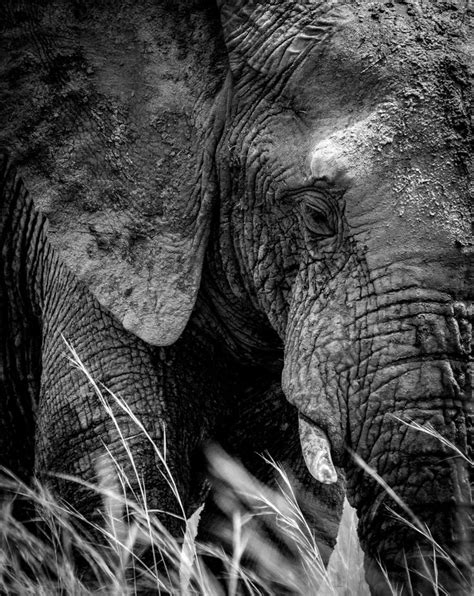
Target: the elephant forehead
(270, 36)
(376, 54)
(347, 146)
(296, 151)
(395, 195)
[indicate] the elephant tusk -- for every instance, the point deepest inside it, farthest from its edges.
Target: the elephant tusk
(317, 452)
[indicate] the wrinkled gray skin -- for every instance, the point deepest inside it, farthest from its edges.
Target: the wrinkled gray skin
(245, 193)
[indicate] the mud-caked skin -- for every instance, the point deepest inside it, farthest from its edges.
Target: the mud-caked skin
(258, 214)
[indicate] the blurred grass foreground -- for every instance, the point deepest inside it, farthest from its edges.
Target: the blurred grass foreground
(43, 560)
(59, 552)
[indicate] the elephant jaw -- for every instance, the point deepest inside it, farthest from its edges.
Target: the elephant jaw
(316, 452)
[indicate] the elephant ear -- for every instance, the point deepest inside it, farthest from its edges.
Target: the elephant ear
(111, 111)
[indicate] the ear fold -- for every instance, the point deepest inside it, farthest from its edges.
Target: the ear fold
(112, 112)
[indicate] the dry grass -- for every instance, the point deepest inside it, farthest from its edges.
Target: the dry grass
(44, 560)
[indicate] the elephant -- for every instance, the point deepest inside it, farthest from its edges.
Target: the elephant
(252, 221)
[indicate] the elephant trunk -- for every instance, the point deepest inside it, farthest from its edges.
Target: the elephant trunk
(416, 372)
(423, 532)
(360, 374)
(423, 539)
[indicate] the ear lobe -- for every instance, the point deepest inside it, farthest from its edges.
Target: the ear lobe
(114, 126)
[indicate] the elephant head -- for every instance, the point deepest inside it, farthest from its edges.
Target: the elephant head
(344, 201)
(299, 168)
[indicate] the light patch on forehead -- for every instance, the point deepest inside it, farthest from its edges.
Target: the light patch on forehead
(331, 160)
(350, 151)
(328, 158)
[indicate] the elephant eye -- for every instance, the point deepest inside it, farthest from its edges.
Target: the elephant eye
(319, 217)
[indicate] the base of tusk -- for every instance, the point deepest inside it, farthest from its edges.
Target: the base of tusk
(317, 452)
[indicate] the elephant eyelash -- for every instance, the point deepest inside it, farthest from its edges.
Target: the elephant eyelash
(320, 217)
(319, 208)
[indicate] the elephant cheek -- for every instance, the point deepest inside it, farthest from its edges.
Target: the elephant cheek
(317, 452)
